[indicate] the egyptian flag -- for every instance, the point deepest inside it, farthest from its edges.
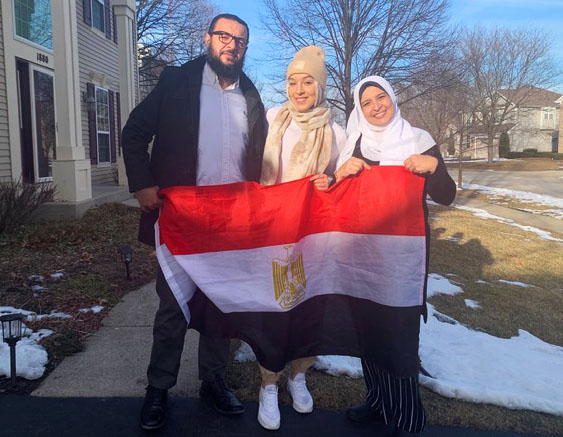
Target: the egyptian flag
(296, 272)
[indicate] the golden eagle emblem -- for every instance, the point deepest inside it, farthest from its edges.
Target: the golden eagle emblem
(289, 279)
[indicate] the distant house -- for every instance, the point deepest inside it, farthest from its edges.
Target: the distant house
(475, 141)
(533, 122)
(68, 78)
(536, 119)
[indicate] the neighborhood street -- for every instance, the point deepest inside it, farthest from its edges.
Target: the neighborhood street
(539, 182)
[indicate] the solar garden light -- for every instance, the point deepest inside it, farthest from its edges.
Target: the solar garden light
(126, 253)
(11, 334)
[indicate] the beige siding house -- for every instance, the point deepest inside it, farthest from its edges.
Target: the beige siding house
(560, 136)
(67, 79)
(475, 141)
(536, 119)
(5, 167)
(98, 62)
(532, 122)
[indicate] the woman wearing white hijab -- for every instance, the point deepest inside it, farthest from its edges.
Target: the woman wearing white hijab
(302, 141)
(378, 135)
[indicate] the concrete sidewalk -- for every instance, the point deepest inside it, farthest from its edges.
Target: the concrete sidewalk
(115, 359)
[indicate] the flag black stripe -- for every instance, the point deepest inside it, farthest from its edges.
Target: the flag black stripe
(323, 325)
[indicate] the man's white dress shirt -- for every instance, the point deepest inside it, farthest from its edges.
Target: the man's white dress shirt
(223, 135)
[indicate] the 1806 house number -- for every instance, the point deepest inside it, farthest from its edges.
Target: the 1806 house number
(42, 58)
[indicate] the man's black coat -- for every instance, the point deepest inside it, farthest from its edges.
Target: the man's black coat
(170, 114)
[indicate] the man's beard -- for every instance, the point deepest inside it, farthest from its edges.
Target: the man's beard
(227, 71)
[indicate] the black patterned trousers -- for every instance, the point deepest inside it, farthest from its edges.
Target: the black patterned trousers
(397, 399)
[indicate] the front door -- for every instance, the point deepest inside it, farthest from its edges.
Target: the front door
(37, 121)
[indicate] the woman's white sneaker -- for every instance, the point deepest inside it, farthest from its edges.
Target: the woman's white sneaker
(268, 411)
(302, 400)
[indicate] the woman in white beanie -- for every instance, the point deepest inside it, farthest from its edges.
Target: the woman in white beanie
(302, 141)
(379, 135)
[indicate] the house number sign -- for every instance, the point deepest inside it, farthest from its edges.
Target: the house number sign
(42, 58)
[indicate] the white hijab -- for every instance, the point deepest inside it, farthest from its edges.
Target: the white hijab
(390, 144)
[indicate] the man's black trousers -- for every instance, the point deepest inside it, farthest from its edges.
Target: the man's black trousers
(168, 341)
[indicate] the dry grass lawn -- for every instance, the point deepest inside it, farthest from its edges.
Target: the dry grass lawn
(490, 251)
(470, 248)
(525, 164)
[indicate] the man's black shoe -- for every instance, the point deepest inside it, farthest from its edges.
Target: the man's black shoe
(363, 414)
(153, 413)
(222, 398)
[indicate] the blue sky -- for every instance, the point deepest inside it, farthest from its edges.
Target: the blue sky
(545, 14)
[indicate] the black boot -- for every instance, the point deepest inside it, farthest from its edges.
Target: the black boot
(153, 413)
(222, 398)
(363, 414)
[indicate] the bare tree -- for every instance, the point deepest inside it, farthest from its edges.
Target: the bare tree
(504, 66)
(444, 113)
(170, 32)
(401, 40)
(438, 112)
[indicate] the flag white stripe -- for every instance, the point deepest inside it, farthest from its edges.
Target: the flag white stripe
(334, 263)
(181, 284)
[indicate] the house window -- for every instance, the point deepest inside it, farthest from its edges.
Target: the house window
(103, 125)
(33, 21)
(548, 118)
(98, 15)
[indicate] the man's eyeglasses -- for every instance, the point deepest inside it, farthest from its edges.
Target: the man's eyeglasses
(226, 38)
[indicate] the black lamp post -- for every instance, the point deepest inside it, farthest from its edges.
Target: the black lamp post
(126, 253)
(11, 334)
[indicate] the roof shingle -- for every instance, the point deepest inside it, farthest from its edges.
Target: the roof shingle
(531, 96)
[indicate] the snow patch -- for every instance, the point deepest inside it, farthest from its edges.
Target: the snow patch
(522, 196)
(95, 309)
(38, 287)
(472, 304)
(521, 372)
(518, 284)
(437, 284)
(244, 353)
(51, 315)
(31, 357)
(337, 365)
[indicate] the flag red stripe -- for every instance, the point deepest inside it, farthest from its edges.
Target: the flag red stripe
(383, 200)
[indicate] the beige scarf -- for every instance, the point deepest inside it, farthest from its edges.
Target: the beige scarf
(311, 154)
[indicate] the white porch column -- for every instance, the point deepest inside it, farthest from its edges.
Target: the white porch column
(71, 171)
(128, 68)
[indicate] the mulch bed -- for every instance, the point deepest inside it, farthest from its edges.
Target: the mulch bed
(85, 252)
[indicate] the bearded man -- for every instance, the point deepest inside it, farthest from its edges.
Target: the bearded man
(208, 126)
